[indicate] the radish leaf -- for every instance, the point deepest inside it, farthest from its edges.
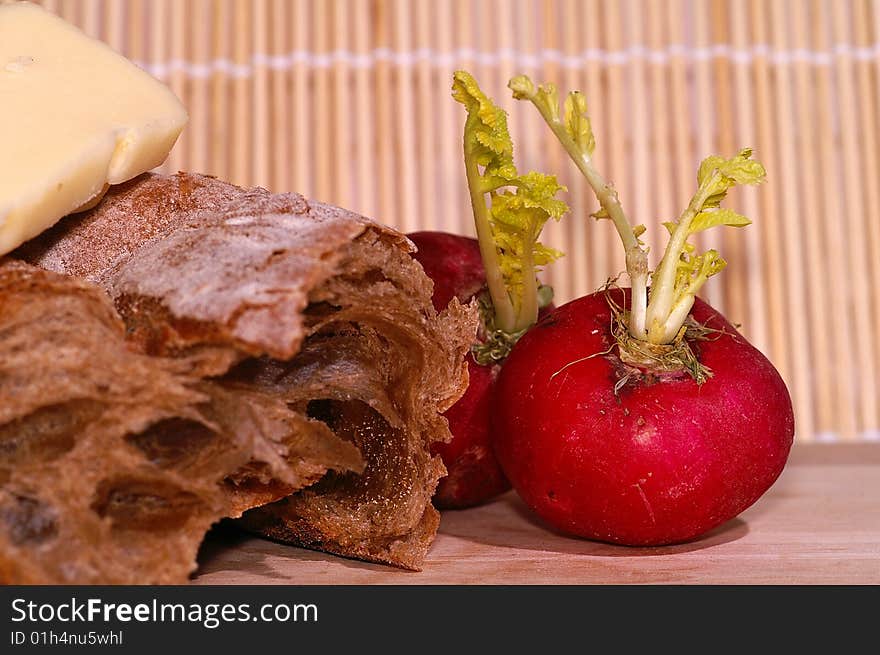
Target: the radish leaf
(715, 217)
(519, 206)
(681, 272)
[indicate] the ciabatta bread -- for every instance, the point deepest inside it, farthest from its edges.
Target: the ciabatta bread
(114, 464)
(309, 304)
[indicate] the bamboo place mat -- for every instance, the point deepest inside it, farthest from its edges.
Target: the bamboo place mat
(348, 102)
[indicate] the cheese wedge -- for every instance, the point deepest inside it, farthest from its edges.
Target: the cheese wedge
(75, 116)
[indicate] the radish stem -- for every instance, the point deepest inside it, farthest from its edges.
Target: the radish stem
(508, 226)
(504, 313)
(657, 317)
(545, 100)
(659, 311)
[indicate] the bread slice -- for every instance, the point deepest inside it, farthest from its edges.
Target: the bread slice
(114, 464)
(309, 304)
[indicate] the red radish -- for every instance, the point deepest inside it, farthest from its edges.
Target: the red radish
(474, 476)
(658, 459)
(499, 269)
(454, 265)
(641, 417)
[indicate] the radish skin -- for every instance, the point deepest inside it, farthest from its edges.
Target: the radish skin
(610, 452)
(474, 475)
(499, 269)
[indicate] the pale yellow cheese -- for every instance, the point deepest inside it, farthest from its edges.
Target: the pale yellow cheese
(74, 117)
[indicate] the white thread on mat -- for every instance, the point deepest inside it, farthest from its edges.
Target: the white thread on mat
(870, 435)
(834, 437)
(457, 57)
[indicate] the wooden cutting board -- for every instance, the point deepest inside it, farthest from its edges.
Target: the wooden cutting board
(819, 524)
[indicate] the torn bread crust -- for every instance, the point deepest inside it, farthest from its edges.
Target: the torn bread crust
(113, 465)
(313, 305)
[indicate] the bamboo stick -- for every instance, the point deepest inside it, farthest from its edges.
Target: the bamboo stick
(464, 37)
(528, 135)
(853, 207)
(135, 32)
(455, 212)
(322, 118)
(771, 236)
(605, 260)
(790, 246)
(301, 94)
(616, 150)
(406, 179)
(835, 258)
(242, 119)
(178, 17)
(503, 38)
(259, 135)
(199, 53)
(579, 248)
(488, 16)
(642, 183)
(810, 218)
(870, 151)
(364, 106)
(751, 268)
(157, 15)
(280, 147)
(341, 108)
(114, 27)
(731, 242)
(663, 118)
(705, 129)
(51, 5)
(70, 10)
(425, 120)
(221, 116)
(89, 19)
(551, 160)
(386, 134)
(683, 155)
